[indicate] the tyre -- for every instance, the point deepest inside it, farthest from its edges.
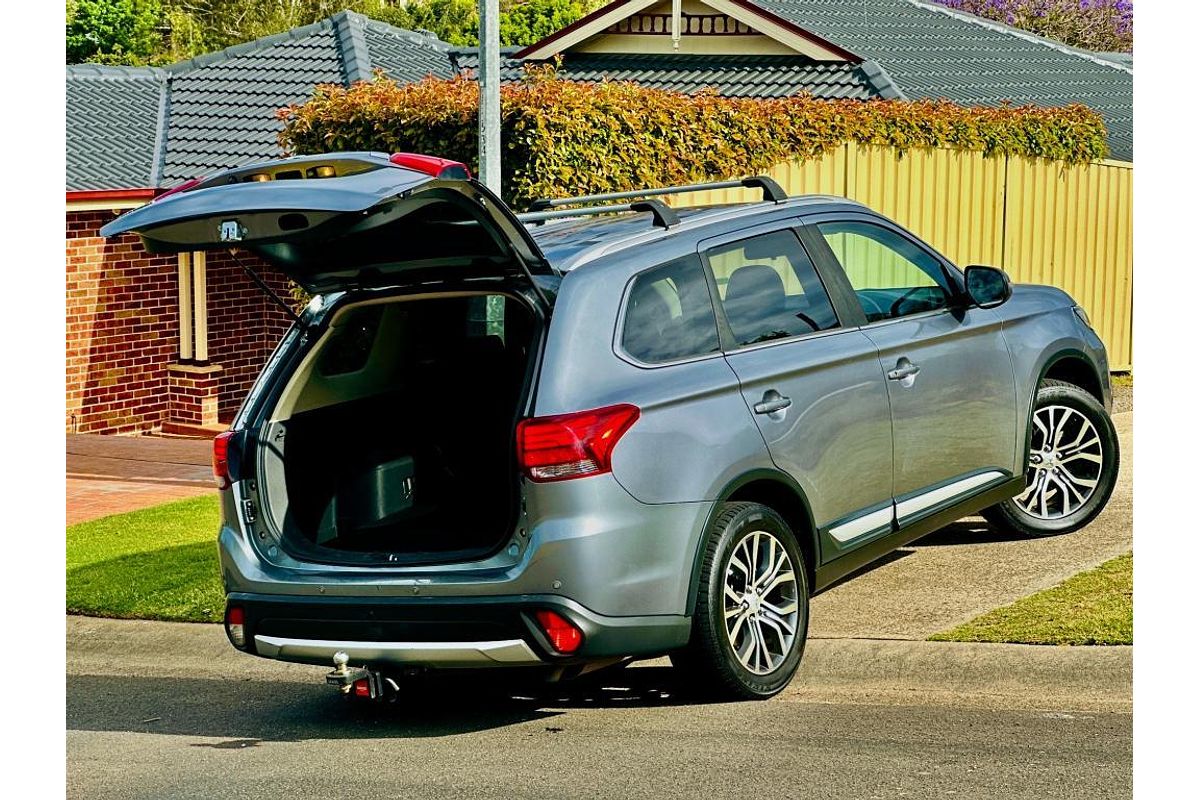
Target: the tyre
(751, 615)
(1073, 462)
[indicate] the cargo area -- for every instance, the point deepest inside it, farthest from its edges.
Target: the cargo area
(393, 441)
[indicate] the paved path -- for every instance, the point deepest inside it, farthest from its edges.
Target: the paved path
(160, 710)
(113, 474)
(968, 569)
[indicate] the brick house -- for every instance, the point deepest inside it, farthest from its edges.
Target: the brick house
(158, 342)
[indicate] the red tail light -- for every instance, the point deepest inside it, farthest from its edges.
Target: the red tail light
(235, 626)
(564, 637)
(567, 446)
(432, 165)
(220, 459)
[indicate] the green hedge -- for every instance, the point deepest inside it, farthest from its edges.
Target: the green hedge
(561, 137)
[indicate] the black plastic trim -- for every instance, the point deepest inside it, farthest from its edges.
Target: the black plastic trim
(511, 616)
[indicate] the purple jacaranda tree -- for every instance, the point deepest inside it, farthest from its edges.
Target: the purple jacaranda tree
(1105, 25)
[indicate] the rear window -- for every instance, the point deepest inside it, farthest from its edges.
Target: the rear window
(669, 314)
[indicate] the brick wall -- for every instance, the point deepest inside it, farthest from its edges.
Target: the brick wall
(122, 328)
(243, 324)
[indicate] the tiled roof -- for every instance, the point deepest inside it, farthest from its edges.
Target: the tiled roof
(219, 108)
(933, 52)
(732, 76)
(114, 126)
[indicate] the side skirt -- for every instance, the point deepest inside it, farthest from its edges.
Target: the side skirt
(872, 551)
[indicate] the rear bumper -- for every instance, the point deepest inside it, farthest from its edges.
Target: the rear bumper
(442, 633)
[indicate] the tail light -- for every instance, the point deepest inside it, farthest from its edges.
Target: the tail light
(576, 445)
(564, 637)
(235, 626)
(220, 459)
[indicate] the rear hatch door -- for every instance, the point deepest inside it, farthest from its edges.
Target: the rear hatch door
(343, 221)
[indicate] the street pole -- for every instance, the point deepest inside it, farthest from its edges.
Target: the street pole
(489, 94)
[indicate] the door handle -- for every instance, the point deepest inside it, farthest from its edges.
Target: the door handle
(772, 401)
(904, 369)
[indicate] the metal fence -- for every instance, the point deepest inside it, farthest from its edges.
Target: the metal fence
(1043, 222)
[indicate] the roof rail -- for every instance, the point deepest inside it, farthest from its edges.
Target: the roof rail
(771, 191)
(664, 217)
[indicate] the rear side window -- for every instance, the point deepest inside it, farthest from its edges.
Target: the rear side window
(669, 314)
(770, 289)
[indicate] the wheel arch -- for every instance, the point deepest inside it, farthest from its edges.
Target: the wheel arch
(780, 493)
(1068, 364)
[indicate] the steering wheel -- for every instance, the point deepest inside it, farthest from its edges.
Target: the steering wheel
(876, 311)
(895, 309)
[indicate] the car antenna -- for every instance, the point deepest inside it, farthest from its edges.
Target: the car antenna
(261, 284)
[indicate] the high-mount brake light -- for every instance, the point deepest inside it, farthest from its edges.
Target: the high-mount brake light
(183, 187)
(220, 459)
(575, 445)
(432, 165)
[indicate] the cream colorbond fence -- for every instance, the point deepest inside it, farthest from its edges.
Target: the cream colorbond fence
(1043, 222)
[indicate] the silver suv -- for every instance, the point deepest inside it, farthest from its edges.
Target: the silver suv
(570, 438)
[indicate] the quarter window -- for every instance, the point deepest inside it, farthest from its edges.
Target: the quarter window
(769, 288)
(892, 276)
(669, 314)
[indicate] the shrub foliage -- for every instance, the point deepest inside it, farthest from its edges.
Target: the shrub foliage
(561, 137)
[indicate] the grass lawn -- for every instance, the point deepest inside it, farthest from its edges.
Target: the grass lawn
(157, 563)
(1093, 607)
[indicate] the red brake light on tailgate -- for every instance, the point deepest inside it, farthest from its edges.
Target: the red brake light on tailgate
(220, 459)
(575, 445)
(432, 165)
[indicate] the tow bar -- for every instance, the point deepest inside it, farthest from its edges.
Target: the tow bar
(358, 681)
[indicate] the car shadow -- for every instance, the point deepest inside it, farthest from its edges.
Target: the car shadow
(246, 713)
(972, 530)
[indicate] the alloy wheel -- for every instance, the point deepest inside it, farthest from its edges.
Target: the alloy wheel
(762, 610)
(1065, 460)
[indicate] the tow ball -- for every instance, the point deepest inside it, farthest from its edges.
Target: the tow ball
(358, 681)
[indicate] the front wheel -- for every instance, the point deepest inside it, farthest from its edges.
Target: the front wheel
(1073, 462)
(751, 616)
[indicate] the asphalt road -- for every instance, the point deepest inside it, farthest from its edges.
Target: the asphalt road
(156, 710)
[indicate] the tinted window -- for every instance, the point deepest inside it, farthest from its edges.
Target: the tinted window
(669, 314)
(769, 288)
(891, 275)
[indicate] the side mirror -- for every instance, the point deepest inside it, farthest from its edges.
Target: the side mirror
(987, 287)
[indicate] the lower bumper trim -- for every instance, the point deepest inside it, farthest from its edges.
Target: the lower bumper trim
(508, 653)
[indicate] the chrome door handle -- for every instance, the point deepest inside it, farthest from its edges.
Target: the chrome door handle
(772, 401)
(904, 369)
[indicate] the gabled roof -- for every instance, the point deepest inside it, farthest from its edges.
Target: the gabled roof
(218, 110)
(734, 76)
(934, 52)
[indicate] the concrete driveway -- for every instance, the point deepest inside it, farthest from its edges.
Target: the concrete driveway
(968, 569)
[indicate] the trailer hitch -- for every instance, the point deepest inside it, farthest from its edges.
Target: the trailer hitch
(359, 681)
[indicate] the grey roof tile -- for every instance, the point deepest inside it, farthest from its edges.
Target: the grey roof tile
(113, 126)
(732, 76)
(933, 52)
(220, 107)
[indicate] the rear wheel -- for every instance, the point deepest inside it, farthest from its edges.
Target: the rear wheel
(1073, 462)
(751, 616)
